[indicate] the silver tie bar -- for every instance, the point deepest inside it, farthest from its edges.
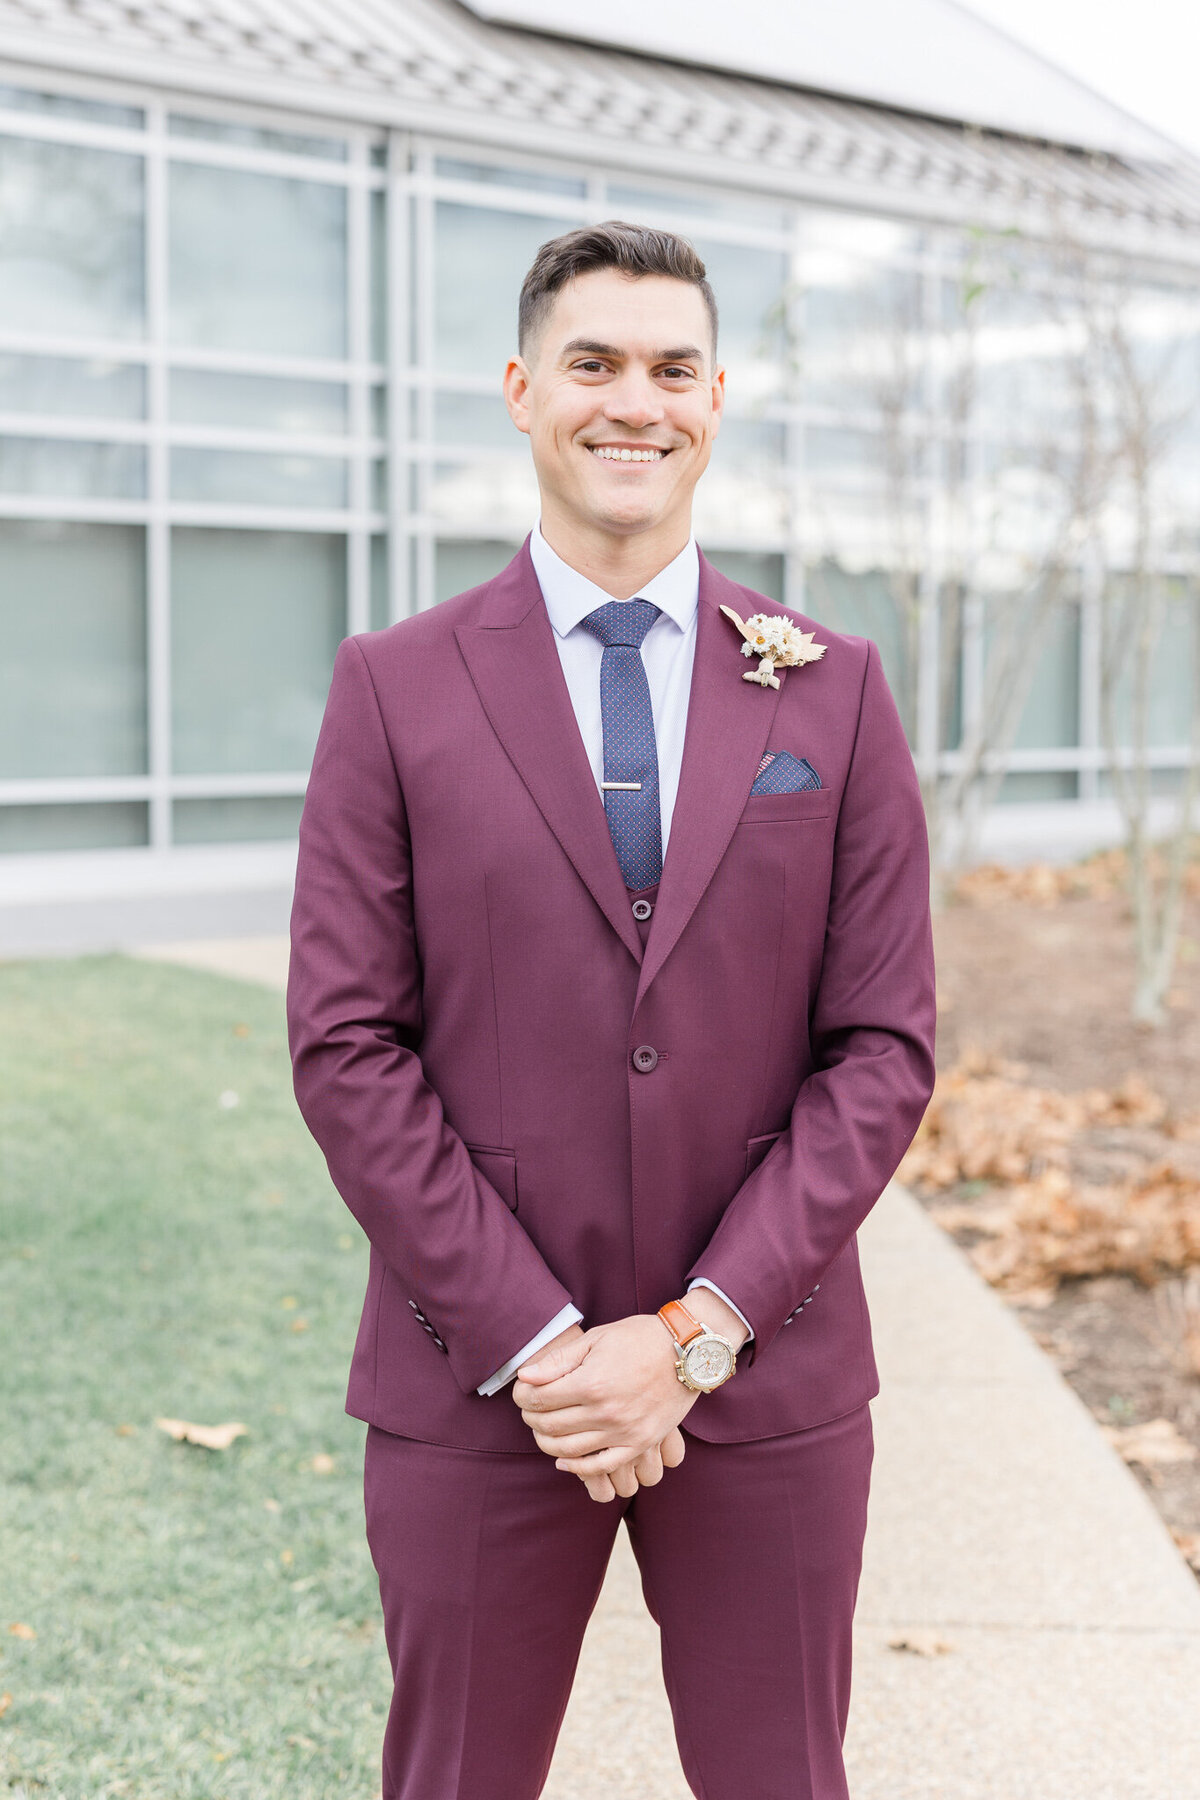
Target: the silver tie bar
(621, 784)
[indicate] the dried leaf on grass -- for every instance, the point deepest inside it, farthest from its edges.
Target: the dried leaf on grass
(21, 1630)
(920, 1642)
(5, 1703)
(209, 1437)
(1152, 1444)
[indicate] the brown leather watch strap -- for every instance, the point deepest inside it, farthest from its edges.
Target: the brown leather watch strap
(679, 1322)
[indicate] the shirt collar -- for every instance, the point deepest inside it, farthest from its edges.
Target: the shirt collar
(570, 596)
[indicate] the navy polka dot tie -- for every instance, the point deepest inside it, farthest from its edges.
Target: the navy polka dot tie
(630, 751)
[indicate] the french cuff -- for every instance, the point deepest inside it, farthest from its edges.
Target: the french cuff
(570, 1315)
(702, 1281)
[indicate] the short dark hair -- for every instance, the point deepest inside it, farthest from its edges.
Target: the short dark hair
(634, 249)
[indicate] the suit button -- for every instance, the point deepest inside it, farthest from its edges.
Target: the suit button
(642, 909)
(644, 1058)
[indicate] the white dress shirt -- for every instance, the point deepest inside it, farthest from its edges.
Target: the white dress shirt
(668, 651)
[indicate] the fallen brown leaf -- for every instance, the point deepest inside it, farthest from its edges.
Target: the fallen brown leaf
(126, 1430)
(921, 1643)
(1189, 1544)
(1153, 1443)
(321, 1464)
(5, 1703)
(209, 1437)
(21, 1630)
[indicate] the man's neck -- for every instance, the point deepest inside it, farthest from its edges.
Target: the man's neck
(619, 565)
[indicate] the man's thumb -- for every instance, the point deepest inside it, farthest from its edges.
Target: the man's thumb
(558, 1360)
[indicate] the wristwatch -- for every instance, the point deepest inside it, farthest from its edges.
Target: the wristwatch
(705, 1359)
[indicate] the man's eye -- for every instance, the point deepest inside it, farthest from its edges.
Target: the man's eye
(675, 371)
(590, 367)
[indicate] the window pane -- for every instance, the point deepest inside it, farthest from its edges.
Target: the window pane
(256, 619)
(292, 143)
(762, 573)
(239, 819)
(244, 478)
(865, 604)
(478, 420)
(379, 583)
(750, 287)
(481, 260)
(68, 470)
(63, 385)
(541, 181)
(863, 333)
(378, 251)
(1173, 674)
(495, 493)
(1050, 716)
(103, 826)
(261, 402)
(743, 494)
(645, 205)
(70, 240)
(1028, 786)
(70, 106)
(257, 262)
(73, 672)
(463, 566)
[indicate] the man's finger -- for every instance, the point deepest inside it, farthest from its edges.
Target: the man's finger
(672, 1448)
(576, 1443)
(599, 1487)
(648, 1469)
(603, 1462)
(551, 1364)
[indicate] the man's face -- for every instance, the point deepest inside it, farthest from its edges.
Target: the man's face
(621, 399)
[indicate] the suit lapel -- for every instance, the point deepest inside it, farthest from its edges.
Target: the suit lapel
(728, 722)
(514, 663)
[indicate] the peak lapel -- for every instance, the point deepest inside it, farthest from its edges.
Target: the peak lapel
(728, 722)
(514, 663)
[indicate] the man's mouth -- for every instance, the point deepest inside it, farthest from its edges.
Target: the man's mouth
(618, 453)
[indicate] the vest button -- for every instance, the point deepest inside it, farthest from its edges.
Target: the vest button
(644, 1058)
(642, 909)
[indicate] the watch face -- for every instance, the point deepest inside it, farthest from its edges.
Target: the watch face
(708, 1363)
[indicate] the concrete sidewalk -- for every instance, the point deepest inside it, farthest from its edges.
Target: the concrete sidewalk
(1001, 1523)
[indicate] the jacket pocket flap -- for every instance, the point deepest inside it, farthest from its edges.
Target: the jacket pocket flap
(499, 1167)
(757, 1147)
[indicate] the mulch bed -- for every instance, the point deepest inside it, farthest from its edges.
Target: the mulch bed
(1039, 991)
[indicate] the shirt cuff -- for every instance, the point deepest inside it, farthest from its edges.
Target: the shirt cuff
(702, 1281)
(570, 1315)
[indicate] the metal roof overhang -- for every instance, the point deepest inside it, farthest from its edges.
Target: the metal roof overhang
(432, 67)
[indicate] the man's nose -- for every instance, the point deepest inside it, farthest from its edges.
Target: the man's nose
(634, 400)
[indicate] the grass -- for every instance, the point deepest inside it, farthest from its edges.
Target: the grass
(207, 1623)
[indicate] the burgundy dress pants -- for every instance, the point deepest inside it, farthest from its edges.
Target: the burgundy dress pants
(490, 1564)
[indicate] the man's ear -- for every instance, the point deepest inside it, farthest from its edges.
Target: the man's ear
(718, 397)
(516, 392)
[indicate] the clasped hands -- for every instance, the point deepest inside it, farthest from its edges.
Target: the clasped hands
(607, 1403)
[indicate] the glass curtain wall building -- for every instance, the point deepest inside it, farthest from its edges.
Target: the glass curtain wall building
(249, 402)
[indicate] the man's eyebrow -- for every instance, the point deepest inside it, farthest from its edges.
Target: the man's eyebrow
(590, 347)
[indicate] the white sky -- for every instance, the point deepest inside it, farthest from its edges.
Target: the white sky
(1144, 54)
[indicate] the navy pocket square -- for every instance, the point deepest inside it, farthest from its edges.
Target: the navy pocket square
(780, 772)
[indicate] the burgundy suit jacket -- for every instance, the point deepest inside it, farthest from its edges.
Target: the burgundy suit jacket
(468, 988)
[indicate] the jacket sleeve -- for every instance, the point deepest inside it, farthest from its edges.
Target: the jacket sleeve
(355, 1025)
(872, 1036)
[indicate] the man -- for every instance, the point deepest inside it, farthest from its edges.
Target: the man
(612, 1008)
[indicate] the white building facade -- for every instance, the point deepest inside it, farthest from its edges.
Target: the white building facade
(258, 281)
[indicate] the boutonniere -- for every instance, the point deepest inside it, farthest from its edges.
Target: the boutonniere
(776, 642)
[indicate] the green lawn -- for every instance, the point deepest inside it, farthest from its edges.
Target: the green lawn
(206, 1622)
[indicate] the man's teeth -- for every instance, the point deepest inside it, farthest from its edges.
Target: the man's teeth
(611, 455)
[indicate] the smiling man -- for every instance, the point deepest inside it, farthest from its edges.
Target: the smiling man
(612, 1008)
